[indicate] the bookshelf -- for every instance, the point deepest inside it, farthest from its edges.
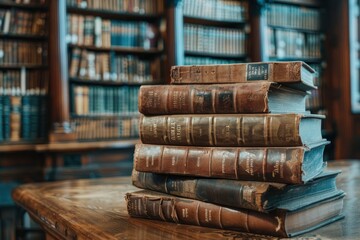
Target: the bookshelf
(113, 48)
(23, 72)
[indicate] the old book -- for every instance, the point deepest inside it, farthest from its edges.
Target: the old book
(254, 97)
(258, 196)
(231, 130)
(279, 223)
(15, 118)
(273, 164)
(296, 74)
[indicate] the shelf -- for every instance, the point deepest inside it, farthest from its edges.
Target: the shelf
(293, 29)
(127, 50)
(22, 37)
(106, 83)
(115, 15)
(104, 116)
(20, 66)
(307, 60)
(213, 22)
(217, 55)
(302, 3)
(20, 146)
(82, 146)
(23, 6)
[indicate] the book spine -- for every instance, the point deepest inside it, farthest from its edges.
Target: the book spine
(181, 99)
(25, 117)
(278, 164)
(233, 73)
(1, 115)
(15, 118)
(192, 212)
(6, 117)
(231, 193)
(222, 130)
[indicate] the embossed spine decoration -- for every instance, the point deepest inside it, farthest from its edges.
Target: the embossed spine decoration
(193, 212)
(199, 99)
(222, 130)
(283, 165)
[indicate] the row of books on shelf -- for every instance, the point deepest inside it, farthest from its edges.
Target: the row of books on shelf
(87, 129)
(126, 69)
(223, 10)
(129, 6)
(95, 31)
(212, 150)
(219, 40)
(23, 117)
(293, 17)
(284, 44)
(190, 60)
(23, 82)
(28, 1)
(102, 100)
(16, 21)
(21, 52)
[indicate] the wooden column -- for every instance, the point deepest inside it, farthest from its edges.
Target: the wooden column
(174, 34)
(59, 89)
(257, 34)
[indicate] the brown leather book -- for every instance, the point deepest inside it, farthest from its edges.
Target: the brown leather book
(272, 164)
(258, 196)
(254, 97)
(297, 74)
(231, 130)
(157, 206)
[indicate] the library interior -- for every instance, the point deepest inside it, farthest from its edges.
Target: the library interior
(179, 119)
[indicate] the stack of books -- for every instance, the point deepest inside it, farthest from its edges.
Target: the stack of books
(232, 147)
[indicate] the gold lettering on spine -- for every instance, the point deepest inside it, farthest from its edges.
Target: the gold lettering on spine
(185, 212)
(250, 163)
(208, 216)
(172, 131)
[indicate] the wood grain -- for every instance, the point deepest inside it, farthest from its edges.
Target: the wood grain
(95, 209)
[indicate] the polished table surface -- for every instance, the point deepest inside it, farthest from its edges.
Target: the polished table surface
(96, 209)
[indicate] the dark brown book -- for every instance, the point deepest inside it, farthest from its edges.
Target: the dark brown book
(280, 223)
(258, 196)
(272, 164)
(254, 97)
(296, 74)
(231, 130)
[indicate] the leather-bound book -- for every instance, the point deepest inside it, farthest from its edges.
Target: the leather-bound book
(258, 196)
(279, 223)
(296, 74)
(246, 97)
(273, 164)
(231, 130)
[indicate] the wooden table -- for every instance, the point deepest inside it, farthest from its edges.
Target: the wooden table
(95, 209)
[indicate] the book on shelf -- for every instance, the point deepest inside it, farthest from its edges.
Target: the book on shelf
(15, 21)
(104, 100)
(112, 67)
(23, 104)
(293, 165)
(222, 10)
(258, 196)
(280, 223)
(95, 31)
(216, 40)
(105, 128)
(297, 74)
(231, 130)
(21, 52)
(129, 6)
(245, 97)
